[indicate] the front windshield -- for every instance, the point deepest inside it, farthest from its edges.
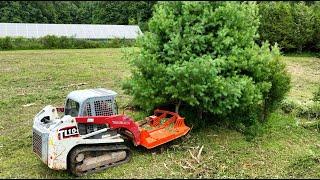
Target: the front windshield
(72, 108)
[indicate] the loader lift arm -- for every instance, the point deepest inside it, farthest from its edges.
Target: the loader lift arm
(114, 122)
(158, 132)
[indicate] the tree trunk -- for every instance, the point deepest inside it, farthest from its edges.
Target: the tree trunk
(178, 106)
(200, 113)
(299, 48)
(264, 113)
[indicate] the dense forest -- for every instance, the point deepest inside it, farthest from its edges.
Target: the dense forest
(77, 12)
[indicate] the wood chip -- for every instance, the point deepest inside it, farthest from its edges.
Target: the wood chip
(71, 85)
(27, 105)
(199, 153)
(165, 166)
(188, 163)
(184, 167)
(194, 157)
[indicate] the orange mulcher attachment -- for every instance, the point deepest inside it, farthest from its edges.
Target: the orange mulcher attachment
(162, 127)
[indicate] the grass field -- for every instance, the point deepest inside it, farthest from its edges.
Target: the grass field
(32, 79)
(305, 76)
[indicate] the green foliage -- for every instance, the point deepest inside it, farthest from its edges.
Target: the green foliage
(204, 55)
(309, 110)
(77, 12)
(54, 42)
(316, 95)
(276, 23)
(288, 106)
(117, 43)
(123, 12)
(295, 26)
(6, 44)
(303, 30)
(292, 25)
(316, 37)
(253, 131)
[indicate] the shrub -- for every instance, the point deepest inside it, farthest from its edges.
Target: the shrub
(309, 110)
(288, 106)
(253, 131)
(302, 110)
(6, 43)
(276, 24)
(315, 110)
(316, 95)
(63, 42)
(117, 43)
(291, 25)
(204, 55)
(303, 29)
(114, 43)
(49, 41)
(21, 43)
(316, 35)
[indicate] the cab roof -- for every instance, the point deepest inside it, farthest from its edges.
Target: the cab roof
(82, 95)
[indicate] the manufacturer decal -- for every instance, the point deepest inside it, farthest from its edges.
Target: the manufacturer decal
(68, 132)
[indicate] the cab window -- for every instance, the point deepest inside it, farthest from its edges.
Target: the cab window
(87, 110)
(72, 108)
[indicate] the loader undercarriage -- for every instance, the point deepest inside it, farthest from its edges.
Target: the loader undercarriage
(95, 158)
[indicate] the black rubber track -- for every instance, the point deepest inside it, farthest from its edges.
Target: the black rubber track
(97, 148)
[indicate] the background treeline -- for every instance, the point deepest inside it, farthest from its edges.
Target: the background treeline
(76, 12)
(294, 25)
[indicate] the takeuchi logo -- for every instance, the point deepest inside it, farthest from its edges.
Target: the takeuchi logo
(68, 132)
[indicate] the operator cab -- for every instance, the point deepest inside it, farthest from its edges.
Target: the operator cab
(91, 102)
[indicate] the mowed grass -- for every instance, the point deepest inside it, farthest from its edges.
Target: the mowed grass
(305, 79)
(42, 77)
